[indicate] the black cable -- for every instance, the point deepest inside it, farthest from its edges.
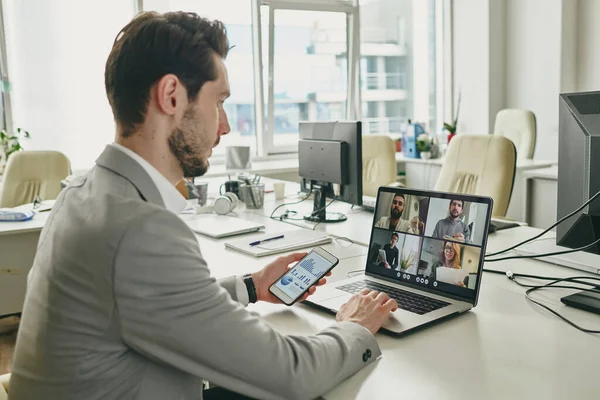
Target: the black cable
(551, 284)
(289, 204)
(548, 278)
(556, 253)
(548, 229)
(532, 288)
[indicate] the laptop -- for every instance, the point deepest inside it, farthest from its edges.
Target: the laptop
(220, 226)
(433, 272)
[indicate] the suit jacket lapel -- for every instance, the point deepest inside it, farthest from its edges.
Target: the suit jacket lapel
(121, 164)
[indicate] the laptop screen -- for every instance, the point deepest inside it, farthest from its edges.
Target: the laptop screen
(430, 240)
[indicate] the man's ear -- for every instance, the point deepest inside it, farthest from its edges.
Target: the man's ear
(168, 94)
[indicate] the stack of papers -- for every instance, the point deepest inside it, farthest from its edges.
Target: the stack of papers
(291, 240)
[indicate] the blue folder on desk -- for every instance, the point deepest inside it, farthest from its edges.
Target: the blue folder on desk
(16, 214)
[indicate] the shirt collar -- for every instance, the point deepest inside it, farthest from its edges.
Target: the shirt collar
(173, 200)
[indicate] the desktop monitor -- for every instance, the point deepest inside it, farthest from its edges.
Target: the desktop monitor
(579, 169)
(330, 165)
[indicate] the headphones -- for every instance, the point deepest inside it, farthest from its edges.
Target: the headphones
(224, 204)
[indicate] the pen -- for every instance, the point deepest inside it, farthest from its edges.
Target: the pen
(265, 240)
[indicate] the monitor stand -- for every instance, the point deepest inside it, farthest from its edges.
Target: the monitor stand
(319, 213)
(584, 231)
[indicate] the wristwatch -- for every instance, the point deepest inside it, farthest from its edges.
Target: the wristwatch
(249, 282)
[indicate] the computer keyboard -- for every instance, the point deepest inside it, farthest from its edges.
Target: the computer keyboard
(408, 301)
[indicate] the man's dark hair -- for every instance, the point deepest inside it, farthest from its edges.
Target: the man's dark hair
(462, 202)
(400, 195)
(395, 234)
(153, 45)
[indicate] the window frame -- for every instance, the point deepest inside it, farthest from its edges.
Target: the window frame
(6, 122)
(349, 7)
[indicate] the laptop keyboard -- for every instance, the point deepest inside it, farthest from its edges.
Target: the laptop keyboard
(408, 301)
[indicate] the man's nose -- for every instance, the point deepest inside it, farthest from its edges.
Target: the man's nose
(224, 127)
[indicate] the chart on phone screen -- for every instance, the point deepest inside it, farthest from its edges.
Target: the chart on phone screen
(303, 275)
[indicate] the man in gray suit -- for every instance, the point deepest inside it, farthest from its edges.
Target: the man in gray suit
(120, 302)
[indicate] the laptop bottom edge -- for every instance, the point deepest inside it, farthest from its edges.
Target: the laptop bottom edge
(389, 332)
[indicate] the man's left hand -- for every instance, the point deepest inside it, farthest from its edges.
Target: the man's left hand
(264, 278)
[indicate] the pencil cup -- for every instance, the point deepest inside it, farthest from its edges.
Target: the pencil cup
(253, 195)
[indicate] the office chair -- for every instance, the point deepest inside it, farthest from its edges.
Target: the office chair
(480, 165)
(33, 173)
(378, 163)
(519, 126)
(4, 386)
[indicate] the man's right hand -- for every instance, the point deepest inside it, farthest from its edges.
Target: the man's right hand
(367, 308)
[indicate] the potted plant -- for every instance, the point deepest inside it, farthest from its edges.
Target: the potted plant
(10, 143)
(451, 127)
(424, 145)
(406, 261)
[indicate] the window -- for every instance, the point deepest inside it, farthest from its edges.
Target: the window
(56, 54)
(290, 61)
(398, 44)
(310, 72)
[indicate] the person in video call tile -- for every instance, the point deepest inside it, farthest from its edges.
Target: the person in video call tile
(395, 222)
(391, 252)
(452, 227)
(449, 258)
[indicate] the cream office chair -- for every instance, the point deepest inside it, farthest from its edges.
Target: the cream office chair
(4, 386)
(378, 163)
(31, 173)
(519, 126)
(480, 165)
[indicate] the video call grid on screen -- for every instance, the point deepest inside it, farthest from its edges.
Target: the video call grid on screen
(425, 225)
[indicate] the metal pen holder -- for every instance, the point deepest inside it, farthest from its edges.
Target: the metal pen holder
(253, 195)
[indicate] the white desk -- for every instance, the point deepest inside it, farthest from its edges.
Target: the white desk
(18, 244)
(504, 348)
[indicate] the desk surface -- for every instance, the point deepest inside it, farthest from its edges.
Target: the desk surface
(522, 164)
(506, 347)
(546, 173)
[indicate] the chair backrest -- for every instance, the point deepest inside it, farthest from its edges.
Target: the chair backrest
(4, 386)
(520, 127)
(378, 163)
(480, 165)
(31, 173)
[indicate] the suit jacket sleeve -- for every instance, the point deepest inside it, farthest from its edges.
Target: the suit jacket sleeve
(171, 310)
(229, 284)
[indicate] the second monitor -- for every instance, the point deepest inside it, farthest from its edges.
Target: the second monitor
(330, 165)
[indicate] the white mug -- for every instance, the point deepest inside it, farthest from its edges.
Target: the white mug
(279, 189)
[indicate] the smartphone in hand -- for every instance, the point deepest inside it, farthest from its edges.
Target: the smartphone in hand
(292, 285)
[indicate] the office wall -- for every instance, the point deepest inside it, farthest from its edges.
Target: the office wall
(470, 64)
(588, 45)
(523, 54)
(533, 66)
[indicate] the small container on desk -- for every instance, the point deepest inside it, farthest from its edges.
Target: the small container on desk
(253, 195)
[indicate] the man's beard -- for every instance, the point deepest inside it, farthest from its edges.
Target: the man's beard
(455, 214)
(186, 145)
(396, 214)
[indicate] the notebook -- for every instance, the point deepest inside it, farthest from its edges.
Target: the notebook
(220, 226)
(292, 240)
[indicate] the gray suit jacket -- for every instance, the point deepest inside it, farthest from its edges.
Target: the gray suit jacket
(121, 305)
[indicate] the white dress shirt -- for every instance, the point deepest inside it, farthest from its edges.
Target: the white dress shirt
(176, 203)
